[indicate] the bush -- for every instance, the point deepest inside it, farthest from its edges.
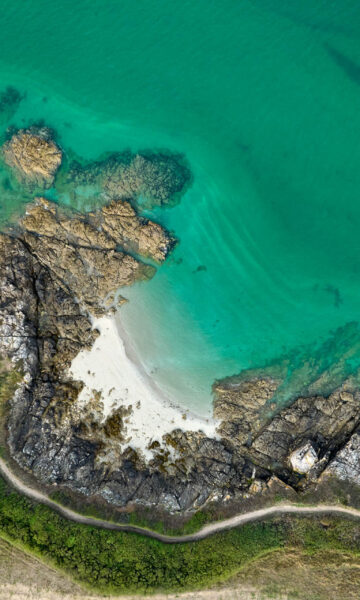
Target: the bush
(125, 562)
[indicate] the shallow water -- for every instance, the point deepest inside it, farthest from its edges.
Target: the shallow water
(263, 98)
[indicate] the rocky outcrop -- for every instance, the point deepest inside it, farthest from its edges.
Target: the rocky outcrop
(83, 258)
(324, 422)
(34, 156)
(44, 325)
(42, 340)
(58, 269)
(346, 464)
(114, 226)
(239, 405)
(309, 431)
(120, 222)
(49, 270)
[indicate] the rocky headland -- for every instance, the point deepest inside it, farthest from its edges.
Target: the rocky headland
(60, 269)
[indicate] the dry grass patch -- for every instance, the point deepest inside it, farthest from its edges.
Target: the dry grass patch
(30, 576)
(324, 575)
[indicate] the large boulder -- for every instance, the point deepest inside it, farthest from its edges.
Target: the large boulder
(34, 156)
(346, 464)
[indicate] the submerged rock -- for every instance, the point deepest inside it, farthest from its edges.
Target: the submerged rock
(33, 155)
(157, 178)
(10, 99)
(149, 179)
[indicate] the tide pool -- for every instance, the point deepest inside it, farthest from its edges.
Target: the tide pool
(263, 99)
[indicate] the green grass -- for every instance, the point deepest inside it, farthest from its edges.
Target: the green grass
(9, 380)
(117, 561)
(124, 562)
(195, 523)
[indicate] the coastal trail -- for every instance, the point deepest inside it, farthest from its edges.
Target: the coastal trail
(204, 532)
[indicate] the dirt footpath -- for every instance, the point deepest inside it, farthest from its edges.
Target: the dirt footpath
(21, 592)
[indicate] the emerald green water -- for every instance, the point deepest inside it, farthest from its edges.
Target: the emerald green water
(263, 97)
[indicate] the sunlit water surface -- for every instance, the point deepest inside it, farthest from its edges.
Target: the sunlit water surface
(265, 103)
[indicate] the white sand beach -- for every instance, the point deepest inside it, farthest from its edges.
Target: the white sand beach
(108, 368)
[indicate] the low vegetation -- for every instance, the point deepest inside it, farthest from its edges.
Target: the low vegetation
(123, 562)
(142, 516)
(9, 380)
(116, 561)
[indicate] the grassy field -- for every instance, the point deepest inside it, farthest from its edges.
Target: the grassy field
(21, 572)
(298, 575)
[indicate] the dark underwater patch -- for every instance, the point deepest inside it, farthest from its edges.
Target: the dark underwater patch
(10, 99)
(200, 268)
(349, 66)
(335, 292)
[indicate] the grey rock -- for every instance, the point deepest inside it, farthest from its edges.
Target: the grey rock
(346, 464)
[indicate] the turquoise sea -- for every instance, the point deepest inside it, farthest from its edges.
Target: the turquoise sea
(263, 97)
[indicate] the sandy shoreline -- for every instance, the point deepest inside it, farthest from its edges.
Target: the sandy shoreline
(111, 368)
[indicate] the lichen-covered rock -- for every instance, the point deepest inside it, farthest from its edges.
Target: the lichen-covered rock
(120, 222)
(34, 156)
(346, 464)
(239, 404)
(83, 257)
(115, 225)
(18, 304)
(324, 422)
